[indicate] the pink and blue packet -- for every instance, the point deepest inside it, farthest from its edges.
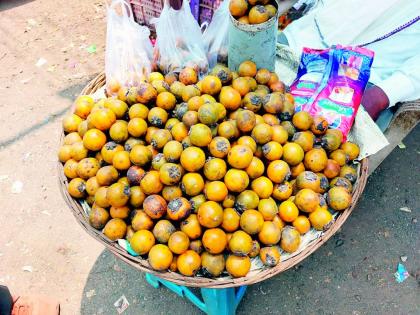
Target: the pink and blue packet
(331, 82)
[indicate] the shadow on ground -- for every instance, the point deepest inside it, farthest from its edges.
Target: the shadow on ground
(353, 273)
(10, 4)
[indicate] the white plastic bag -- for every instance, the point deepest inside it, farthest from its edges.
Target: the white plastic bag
(128, 48)
(179, 42)
(216, 36)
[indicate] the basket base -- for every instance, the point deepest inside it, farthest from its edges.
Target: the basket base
(214, 301)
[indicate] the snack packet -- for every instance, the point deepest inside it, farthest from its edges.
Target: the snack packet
(330, 83)
(216, 36)
(179, 41)
(128, 48)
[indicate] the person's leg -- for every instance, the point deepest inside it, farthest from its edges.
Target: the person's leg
(384, 119)
(6, 301)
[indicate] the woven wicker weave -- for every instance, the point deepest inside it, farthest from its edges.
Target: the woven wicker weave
(253, 277)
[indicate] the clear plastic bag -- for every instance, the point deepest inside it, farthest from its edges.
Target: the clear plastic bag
(179, 41)
(128, 48)
(216, 36)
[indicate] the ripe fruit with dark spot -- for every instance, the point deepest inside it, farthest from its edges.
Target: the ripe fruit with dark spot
(155, 206)
(219, 147)
(179, 208)
(290, 239)
(98, 217)
(319, 125)
(270, 256)
(342, 182)
(191, 226)
(212, 265)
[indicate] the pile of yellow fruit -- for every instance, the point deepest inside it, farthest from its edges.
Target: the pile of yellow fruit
(202, 175)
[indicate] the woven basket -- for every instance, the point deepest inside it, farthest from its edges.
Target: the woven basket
(253, 277)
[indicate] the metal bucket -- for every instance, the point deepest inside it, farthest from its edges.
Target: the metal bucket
(255, 42)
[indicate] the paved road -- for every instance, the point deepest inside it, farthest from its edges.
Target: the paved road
(351, 274)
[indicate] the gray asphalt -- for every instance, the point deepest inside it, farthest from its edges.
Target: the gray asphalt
(353, 273)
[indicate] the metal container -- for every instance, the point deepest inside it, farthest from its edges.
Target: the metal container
(255, 42)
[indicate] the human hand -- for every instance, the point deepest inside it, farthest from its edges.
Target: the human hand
(375, 100)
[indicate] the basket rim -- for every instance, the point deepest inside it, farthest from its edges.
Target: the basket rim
(142, 264)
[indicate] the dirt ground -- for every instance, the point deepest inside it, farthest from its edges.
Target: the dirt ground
(45, 62)
(42, 248)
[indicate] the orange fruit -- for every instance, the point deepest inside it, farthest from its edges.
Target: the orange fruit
(238, 266)
(238, 8)
(211, 85)
(319, 125)
(179, 208)
(230, 98)
(216, 191)
(245, 120)
(258, 14)
(240, 243)
(288, 211)
(192, 159)
(200, 135)
(307, 200)
(140, 155)
(351, 149)
(166, 100)
(192, 184)
(191, 227)
(270, 256)
(160, 257)
(142, 241)
(278, 171)
(236, 180)
(102, 119)
(269, 234)
(251, 221)
(316, 160)
(214, 240)
(293, 153)
(178, 242)
(189, 263)
(212, 265)
(230, 220)
(247, 68)
(210, 214)
(302, 224)
(188, 76)
(320, 218)
(241, 85)
(150, 183)
(262, 133)
(262, 186)
(240, 156)
(280, 134)
(339, 198)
